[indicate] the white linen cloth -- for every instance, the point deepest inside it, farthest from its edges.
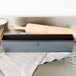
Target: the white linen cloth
(24, 64)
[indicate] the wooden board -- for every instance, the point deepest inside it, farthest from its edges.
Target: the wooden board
(1, 31)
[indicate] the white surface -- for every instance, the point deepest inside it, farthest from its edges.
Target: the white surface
(3, 21)
(38, 7)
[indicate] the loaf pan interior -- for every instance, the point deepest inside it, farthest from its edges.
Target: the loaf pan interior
(39, 37)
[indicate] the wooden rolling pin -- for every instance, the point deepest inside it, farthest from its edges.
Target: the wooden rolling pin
(42, 29)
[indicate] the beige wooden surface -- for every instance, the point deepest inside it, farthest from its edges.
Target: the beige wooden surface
(1, 32)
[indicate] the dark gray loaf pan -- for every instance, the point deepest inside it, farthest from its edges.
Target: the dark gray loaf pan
(38, 43)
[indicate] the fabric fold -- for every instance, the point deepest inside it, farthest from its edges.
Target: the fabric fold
(8, 67)
(24, 64)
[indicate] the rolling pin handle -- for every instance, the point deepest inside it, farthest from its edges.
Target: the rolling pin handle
(17, 27)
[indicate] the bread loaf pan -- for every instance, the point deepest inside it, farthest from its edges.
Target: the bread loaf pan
(38, 43)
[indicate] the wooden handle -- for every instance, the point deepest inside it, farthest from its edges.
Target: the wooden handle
(17, 27)
(1, 31)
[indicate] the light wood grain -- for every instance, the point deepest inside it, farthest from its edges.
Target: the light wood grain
(1, 31)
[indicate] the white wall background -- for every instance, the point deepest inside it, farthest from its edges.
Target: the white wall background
(54, 21)
(38, 7)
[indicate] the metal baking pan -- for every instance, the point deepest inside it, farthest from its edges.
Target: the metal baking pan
(38, 43)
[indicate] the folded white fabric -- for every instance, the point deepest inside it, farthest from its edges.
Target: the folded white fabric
(8, 67)
(55, 56)
(24, 64)
(20, 64)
